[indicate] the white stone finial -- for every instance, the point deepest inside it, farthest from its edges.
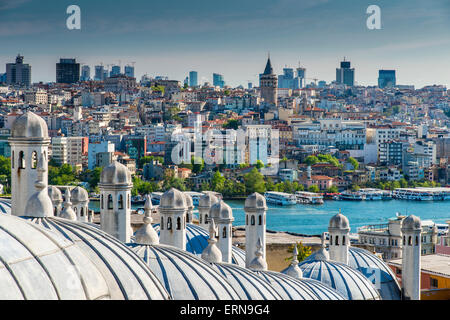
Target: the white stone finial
(67, 212)
(146, 234)
(212, 253)
(322, 253)
(258, 263)
(293, 270)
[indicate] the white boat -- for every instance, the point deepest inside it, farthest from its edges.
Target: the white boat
(308, 197)
(373, 194)
(353, 196)
(280, 198)
(422, 194)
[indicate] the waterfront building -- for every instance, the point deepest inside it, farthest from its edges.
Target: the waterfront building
(18, 73)
(67, 71)
(345, 74)
(386, 79)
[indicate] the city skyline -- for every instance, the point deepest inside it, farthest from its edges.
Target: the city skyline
(233, 39)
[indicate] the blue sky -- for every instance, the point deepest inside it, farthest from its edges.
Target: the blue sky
(232, 37)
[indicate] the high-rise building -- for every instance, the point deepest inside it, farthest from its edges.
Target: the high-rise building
(193, 79)
(386, 78)
(129, 71)
(18, 73)
(67, 71)
(99, 71)
(301, 75)
(345, 74)
(218, 80)
(268, 84)
(85, 73)
(115, 71)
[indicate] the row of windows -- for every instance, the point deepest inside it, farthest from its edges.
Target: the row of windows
(410, 241)
(21, 163)
(336, 240)
(252, 220)
(169, 223)
(110, 203)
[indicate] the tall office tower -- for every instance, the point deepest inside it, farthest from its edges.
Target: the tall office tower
(18, 73)
(193, 79)
(115, 71)
(67, 71)
(268, 84)
(301, 76)
(218, 80)
(286, 80)
(129, 71)
(99, 71)
(344, 74)
(105, 75)
(250, 85)
(386, 78)
(85, 73)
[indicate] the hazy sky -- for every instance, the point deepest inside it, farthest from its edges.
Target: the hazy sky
(232, 37)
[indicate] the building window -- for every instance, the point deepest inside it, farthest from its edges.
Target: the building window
(410, 240)
(101, 201)
(246, 220)
(169, 223)
(434, 283)
(343, 240)
(200, 218)
(162, 223)
(82, 212)
(120, 202)
(417, 240)
(110, 202)
(336, 241)
(34, 160)
(12, 160)
(21, 160)
(224, 232)
(260, 220)
(398, 271)
(206, 219)
(178, 223)
(252, 220)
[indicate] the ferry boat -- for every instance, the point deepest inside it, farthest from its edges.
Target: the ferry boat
(280, 198)
(420, 194)
(308, 197)
(375, 194)
(137, 199)
(156, 197)
(352, 196)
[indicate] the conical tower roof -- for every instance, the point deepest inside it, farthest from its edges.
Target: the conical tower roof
(268, 69)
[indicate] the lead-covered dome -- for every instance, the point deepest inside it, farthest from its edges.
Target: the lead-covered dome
(255, 201)
(207, 200)
(412, 223)
(79, 194)
(197, 240)
(296, 289)
(55, 194)
(172, 199)
(189, 201)
(339, 221)
(115, 174)
(126, 275)
(350, 283)
(36, 264)
(29, 126)
(221, 211)
(185, 276)
(5, 206)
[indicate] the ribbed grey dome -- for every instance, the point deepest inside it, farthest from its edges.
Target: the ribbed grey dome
(249, 285)
(36, 264)
(349, 282)
(221, 211)
(127, 276)
(197, 240)
(55, 194)
(185, 276)
(78, 195)
(115, 174)
(5, 206)
(296, 289)
(189, 201)
(173, 199)
(411, 223)
(255, 201)
(339, 221)
(29, 125)
(39, 205)
(207, 200)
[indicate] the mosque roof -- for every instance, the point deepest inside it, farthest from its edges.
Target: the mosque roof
(352, 284)
(79, 194)
(36, 264)
(29, 126)
(115, 174)
(127, 276)
(5, 206)
(184, 275)
(197, 240)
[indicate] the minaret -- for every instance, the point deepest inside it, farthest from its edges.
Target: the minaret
(115, 201)
(268, 83)
(190, 206)
(172, 210)
(255, 226)
(411, 230)
(259, 262)
(223, 214)
(339, 229)
(80, 202)
(146, 234)
(212, 253)
(293, 270)
(68, 212)
(204, 205)
(29, 141)
(55, 195)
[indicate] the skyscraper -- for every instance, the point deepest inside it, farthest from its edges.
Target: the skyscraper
(193, 79)
(301, 75)
(129, 71)
(18, 73)
(386, 78)
(115, 70)
(218, 80)
(99, 71)
(268, 84)
(344, 74)
(85, 73)
(67, 71)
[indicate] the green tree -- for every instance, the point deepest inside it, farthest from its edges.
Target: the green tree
(198, 164)
(311, 160)
(353, 162)
(314, 188)
(259, 164)
(217, 182)
(303, 252)
(232, 124)
(333, 189)
(254, 182)
(95, 177)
